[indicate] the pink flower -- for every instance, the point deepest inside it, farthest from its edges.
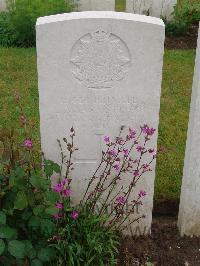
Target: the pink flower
(147, 130)
(28, 144)
(59, 205)
(120, 200)
(57, 216)
(136, 173)
(142, 193)
(126, 152)
(58, 187)
(119, 140)
(64, 181)
(74, 215)
(151, 150)
(112, 152)
(116, 167)
(139, 148)
(56, 237)
(67, 192)
(145, 166)
(106, 139)
(132, 133)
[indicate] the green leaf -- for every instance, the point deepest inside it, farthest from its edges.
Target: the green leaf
(56, 168)
(46, 254)
(35, 181)
(19, 172)
(38, 210)
(32, 254)
(51, 210)
(28, 245)
(29, 250)
(17, 249)
(51, 197)
(7, 232)
(21, 201)
(2, 246)
(26, 215)
(34, 221)
(47, 227)
(36, 262)
(50, 167)
(39, 182)
(2, 218)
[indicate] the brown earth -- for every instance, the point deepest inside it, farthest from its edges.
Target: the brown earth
(164, 247)
(188, 41)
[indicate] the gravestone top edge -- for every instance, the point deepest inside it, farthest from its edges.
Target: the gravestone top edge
(99, 14)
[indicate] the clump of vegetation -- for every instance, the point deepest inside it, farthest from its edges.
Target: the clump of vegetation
(186, 13)
(39, 221)
(17, 25)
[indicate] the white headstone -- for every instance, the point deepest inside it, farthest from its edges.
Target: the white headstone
(155, 8)
(98, 71)
(189, 209)
(95, 5)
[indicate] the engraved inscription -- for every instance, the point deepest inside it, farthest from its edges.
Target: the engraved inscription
(98, 111)
(100, 59)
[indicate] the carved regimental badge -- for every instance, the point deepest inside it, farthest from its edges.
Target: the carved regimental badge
(100, 59)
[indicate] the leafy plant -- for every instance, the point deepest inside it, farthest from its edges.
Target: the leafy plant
(88, 232)
(25, 226)
(186, 13)
(39, 222)
(17, 26)
(7, 35)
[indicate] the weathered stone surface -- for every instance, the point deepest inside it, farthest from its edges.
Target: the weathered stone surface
(189, 209)
(155, 8)
(95, 5)
(98, 71)
(2, 5)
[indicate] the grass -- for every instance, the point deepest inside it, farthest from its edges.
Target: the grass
(18, 72)
(120, 5)
(175, 102)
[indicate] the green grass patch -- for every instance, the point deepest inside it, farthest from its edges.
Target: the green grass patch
(120, 5)
(175, 103)
(18, 73)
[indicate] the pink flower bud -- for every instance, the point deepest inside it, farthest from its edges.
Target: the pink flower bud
(106, 139)
(120, 200)
(59, 205)
(57, 216)
(28, 144)
(74, 215)
(136, 173)
(126, 152)
(142, 193)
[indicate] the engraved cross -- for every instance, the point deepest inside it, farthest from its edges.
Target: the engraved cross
(99, 133)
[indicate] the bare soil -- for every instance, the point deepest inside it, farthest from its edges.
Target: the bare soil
(187, 41)
(164, 247)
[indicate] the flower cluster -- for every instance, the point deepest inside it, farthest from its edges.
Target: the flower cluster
(28, 144)
(62, 187)
(130, 157)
